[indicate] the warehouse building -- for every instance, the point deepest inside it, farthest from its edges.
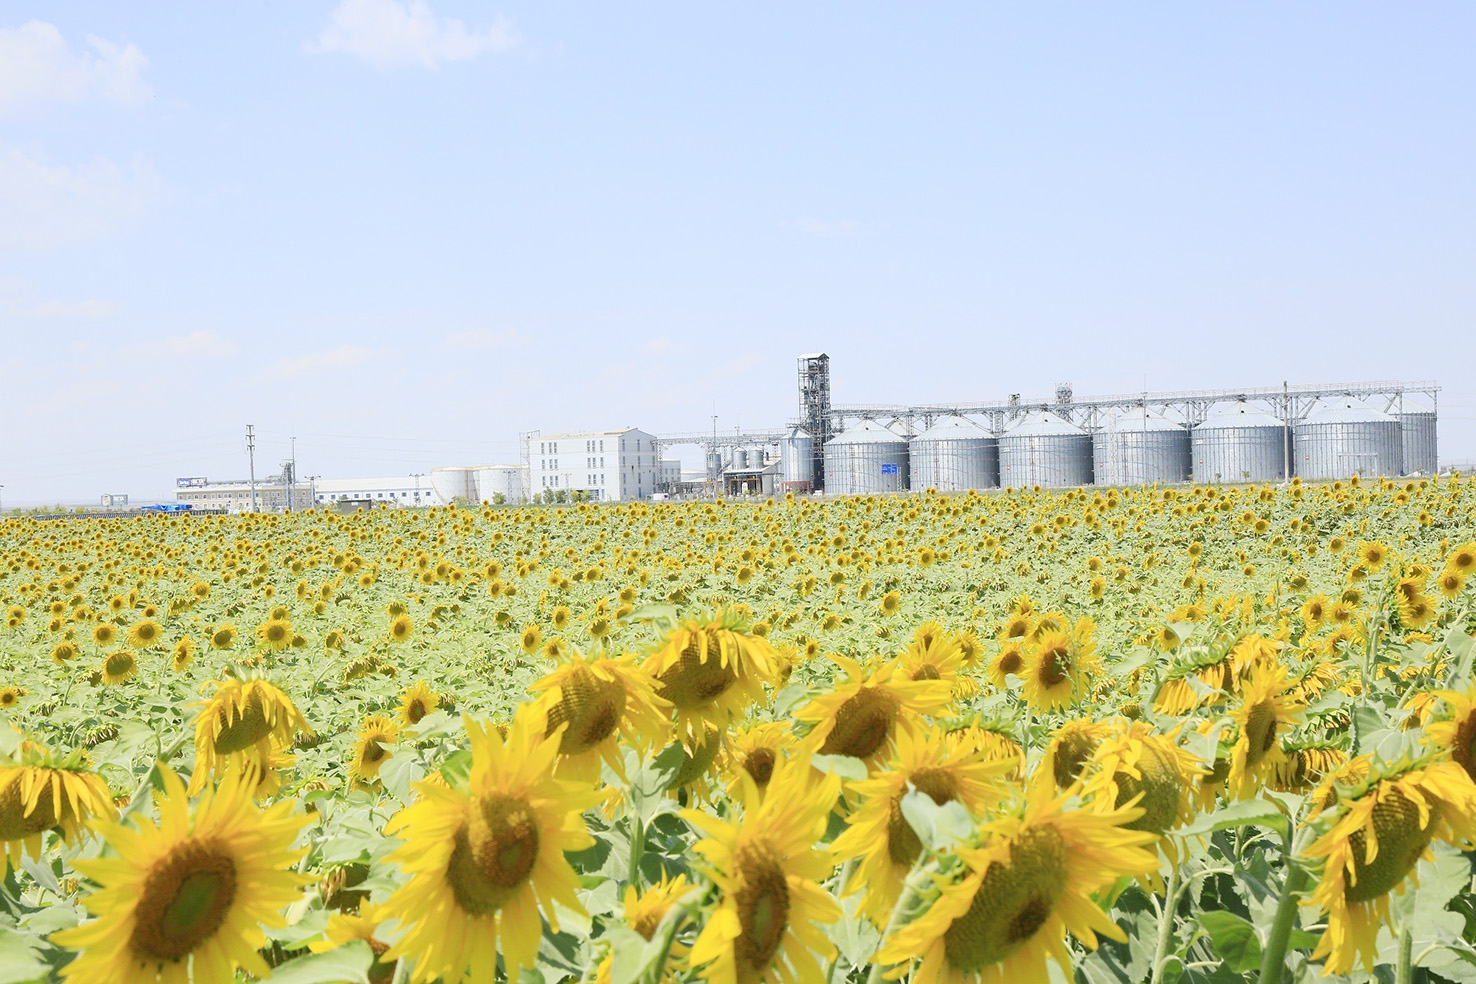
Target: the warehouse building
(608, 466)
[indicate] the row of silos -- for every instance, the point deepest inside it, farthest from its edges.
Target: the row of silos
(1235, 443)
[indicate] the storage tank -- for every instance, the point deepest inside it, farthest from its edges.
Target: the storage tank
(1239, 443)
(508, 481)
(740, 459)
(902, 428)
(954, 455)
(714, 463)
(1343, 438)
(1417, 433)
(1044, 449)
(797, 457)
(454, 482)
(866, 459)
(1139, 448)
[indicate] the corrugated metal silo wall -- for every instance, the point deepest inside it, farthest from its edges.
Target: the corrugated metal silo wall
(955, 464)
(1418, 437)
(1140, 457)
(797, 459)
(1344, 449)
(866, 468)
(1047, 460)
(1238, 454)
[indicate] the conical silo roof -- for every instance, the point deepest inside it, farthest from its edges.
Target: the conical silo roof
(1238, 415)
(1043, 423)
(866, 432)
(1345, 410)
(952, 429)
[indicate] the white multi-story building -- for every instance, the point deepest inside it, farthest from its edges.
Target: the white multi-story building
(608, 465)
(271, 495)
(408, 490)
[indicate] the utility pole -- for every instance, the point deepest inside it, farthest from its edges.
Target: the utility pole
(251, 456)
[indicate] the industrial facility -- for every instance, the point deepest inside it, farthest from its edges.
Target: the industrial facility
(1316, 432)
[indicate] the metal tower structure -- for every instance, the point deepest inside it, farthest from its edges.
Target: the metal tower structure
(815, 412)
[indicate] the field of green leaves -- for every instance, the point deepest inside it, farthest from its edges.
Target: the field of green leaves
(1185, 734)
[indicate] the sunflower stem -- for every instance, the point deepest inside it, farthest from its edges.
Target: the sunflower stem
(898, 918)
(1273, 957)
(1166, 923)
(1402, 969)
(148, 777)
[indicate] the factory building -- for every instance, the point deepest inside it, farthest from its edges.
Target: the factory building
(408, 490)
(608, 466)
(272, 494)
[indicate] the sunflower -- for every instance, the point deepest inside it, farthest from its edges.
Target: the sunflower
(768, 870)
(192, 891)
(1305, 766)
(1376, 834)
(376, 732)
(145, 634)
(644, 912)
(1001, 914)
(755, 752)
(933, 654)
(417, 702)
(1071, 747)
(992, 743)
(1008, 662)
(862, 713)
(596, 702)
(43, 792)
(711, 672)
(483, 854)
(275, 634)
(241, 719)
(223, 637)
(10, 697)
(119, 666)
(531, 638)
(401, 628)
(1135, 766)
(1456, 733)
(1373, 555)
(881, 838)
(104, 633)
(891, 603)
(346, 927)
(183, 655)
(63, 653)
(1058, 669)
(1265, 709)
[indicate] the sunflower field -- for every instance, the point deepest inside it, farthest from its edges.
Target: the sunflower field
(1184, 734)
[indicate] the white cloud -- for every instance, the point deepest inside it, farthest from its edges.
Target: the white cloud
(18, 301)
(203, 343)
(481, 340)
(389, 34)
(43, 207)
(37, 67)
(316, 363)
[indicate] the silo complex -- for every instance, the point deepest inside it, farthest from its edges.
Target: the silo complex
(1346, 438)
(866, 459)
(1239, 443)
(1417, 434)
(954, 455)
(1044, 449)
(1140, 448)
(797, 458)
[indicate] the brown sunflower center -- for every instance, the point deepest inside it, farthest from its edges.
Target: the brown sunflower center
(760, 765)
(1014, 900)
(1463, 749)
(1055, 665)
(762, 900)
(1401, 841)
(591, 706)
(1072, 751)
(415, 710)
(186, 896)
(1260, 731)
(926, 671)
(692, 681)
(119, 663)
(493, 855)
(239, 731)
(862, 723)
(1160, 784)
(1010, 662)
(903, 845)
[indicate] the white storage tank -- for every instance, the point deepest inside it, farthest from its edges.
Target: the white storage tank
(1044, 449)
(1417, 433)
(509, 481)
(954, 455)
(868, 458)
(797, 458)
(1239, 443)
(454, 482)
(1343, 438)
(1140, 448)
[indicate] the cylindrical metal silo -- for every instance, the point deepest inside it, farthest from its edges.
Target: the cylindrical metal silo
(797, 457)
(740, 459)
(1140, 448)
(714, 463)
(954, 455)
(866, 459)
(1044, 449)
(1344, 438)
(454, 482)
(1418, 436)
(1239, 443)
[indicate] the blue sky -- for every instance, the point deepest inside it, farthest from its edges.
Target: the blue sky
(404, 232)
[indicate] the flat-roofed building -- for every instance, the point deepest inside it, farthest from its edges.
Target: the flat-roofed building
(608, 466)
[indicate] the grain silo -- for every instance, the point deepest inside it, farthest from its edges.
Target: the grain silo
(1140, 448)
(455, 483)
(1417, 434)
(954, 455)
(1239, 443)
(508, 481)
(797, 458)
(1343, 438)
(1044, 449)
(867, 458)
